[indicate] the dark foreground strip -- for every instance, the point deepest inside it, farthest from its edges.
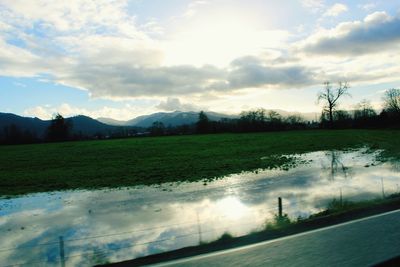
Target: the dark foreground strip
(303, 226)
(395, 262)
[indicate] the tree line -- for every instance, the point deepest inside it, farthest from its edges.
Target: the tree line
(363, 116)
(258, 120)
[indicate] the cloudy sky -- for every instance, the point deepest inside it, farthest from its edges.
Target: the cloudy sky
(124, 58)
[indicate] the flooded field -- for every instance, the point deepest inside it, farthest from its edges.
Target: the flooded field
(92, 227)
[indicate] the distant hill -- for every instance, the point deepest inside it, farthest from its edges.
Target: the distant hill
(175, 118)
(34, 125)
(88, 126)
(113, 122)
(80, 125)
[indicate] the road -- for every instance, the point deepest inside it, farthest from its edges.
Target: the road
(362, 242)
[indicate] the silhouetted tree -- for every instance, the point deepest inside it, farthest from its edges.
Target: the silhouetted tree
(392, 100)
(295, 122)
(364, 110)
(203, 124)
(157, 128)
(342, 119)
(274, 121)
(274, 116)
(294, 119)
(253, 120)
(331, 96)
(391, 112)
(365, 116)
(59, 129)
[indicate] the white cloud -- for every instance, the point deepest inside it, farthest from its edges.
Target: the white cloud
(25, 64)
(66, 31)
(106, 54)
(39, 112)
(82, 46)
(152, 27)
(218, 39)
(336, 10)
(78, 15)
(367, 6)
(125, 112)
(174, 104)
(313, 5)
(193, 7)
(106, 50)
(19, 84)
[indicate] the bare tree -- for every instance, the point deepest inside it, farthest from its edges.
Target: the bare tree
(331, 96)
(392, 100)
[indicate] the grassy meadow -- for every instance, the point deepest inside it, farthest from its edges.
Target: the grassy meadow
(153, 160)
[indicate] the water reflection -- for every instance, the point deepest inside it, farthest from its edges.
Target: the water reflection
(231, 208)
(115, 225)
(336, 164)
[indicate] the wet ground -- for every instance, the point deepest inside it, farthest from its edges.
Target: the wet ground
(119, 224)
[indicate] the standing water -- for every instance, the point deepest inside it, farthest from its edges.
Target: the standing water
(91, 227)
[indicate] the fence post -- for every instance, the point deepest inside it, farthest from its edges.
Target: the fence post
(383, 189)
(341, 197)
(280, 207)
(62, 254)
(199, 227)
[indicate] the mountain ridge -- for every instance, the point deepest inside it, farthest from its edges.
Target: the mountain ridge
(84, 125)
(80, 125)
(177, 118)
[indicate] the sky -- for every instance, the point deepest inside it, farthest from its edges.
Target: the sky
(124, 58)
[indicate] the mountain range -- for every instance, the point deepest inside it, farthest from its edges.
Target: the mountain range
(175, 118)
(88, 126)
(81, 125)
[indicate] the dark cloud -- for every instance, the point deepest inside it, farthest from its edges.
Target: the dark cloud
(376, 33)
(252, 72)
(124, 80)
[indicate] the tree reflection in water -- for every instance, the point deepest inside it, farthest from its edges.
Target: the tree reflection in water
(336, 166)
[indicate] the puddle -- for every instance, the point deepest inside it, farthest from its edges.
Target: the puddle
(113, 225)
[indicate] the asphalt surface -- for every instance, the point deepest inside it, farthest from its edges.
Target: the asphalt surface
(362, 242)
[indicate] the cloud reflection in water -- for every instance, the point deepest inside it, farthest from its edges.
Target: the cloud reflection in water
(116, 225)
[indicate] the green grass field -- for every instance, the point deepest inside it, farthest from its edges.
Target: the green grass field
(127, 162)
